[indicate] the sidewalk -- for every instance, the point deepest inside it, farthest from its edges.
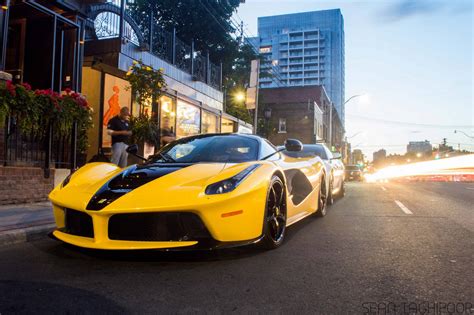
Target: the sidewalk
(25, 222)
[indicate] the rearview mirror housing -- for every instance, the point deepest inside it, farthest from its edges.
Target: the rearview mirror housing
(132, 149)
(293, 145)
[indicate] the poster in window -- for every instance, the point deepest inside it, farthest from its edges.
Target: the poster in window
(188, 119)
(116, 96)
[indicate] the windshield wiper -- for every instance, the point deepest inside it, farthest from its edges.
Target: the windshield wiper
(166, 157)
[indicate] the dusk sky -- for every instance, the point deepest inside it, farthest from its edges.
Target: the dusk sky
(412, 59)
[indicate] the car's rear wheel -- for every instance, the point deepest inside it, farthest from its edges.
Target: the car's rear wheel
(274, 225)
(322, 200)
(342, 191)
(330, 196)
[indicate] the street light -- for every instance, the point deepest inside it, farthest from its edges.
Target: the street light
(418, 155)
(456, 131)
(239, 96)
(330, 114)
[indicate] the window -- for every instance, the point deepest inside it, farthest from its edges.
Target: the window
(209, 123)
(188, 119)
(282, 125)
(205, 148)
(264, 50)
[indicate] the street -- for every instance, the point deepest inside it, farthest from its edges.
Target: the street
(395, 243)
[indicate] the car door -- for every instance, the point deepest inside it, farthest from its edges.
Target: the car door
(302, 183)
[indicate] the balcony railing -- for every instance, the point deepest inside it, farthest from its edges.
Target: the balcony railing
(136, 23)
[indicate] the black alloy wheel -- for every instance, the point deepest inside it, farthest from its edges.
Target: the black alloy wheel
(322, 200)
(274, 226)
(330, 196)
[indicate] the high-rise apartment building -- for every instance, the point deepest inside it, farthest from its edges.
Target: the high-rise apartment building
(304, 49)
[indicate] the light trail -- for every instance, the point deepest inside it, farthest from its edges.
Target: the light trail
(458, 165)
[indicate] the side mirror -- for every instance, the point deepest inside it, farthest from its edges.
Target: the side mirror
(336, 156)
(132, 149)
(293, 145)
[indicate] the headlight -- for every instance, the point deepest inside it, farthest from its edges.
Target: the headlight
(230, 184)
(66, 180)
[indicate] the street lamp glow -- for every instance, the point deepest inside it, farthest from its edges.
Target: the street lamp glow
(239, 96)
(418, 155)
(446, 155)
(408, 160)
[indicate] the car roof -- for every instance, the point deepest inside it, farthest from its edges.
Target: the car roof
(208, 135)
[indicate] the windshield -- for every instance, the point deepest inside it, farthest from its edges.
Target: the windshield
(352, 168)
(217, 149)
(308, 151)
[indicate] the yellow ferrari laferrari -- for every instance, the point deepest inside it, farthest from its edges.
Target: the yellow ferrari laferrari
(206, 191)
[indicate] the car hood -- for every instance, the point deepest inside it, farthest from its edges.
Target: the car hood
(139, 186)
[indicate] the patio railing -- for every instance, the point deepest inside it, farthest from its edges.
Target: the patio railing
(134, 21)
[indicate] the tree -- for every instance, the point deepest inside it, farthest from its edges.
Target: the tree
(208, 24)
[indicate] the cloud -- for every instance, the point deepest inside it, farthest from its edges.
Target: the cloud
(402, 9)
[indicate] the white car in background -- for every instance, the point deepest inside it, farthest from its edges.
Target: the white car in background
(332, 163)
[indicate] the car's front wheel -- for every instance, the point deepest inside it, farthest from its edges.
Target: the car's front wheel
(274, 225)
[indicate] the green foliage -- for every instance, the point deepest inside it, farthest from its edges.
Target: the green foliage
(35, 110)
(145, 129)
(208, 24)
(145, 82)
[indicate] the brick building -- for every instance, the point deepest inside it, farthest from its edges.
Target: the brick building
(300, 112)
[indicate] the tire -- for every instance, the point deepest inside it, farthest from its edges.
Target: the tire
(274, 221)
(330, 198)
(342, 191)
(322, 200)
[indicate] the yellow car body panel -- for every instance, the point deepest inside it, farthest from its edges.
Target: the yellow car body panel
(236, 216)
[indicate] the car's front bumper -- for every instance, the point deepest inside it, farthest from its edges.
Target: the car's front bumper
(227, 220)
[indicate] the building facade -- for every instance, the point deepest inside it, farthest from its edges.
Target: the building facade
(296, 112)
(357, 157)
(419, 147)
(379, 155)
(304, 49)
(88, 46)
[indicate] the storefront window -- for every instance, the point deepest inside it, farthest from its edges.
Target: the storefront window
(227, 125)
(209, 123)
(167, 120)
(188, 119)
(116, 95)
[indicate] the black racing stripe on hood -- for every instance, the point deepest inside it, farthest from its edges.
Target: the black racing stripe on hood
(129, 180)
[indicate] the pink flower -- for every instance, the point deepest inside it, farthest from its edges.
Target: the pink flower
(26, 86)
(11, 88)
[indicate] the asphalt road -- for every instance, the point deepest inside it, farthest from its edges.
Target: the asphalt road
(368, 252)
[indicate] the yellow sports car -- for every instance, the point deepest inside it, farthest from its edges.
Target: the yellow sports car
(206, 191)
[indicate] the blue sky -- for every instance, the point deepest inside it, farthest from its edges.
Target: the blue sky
(412, 58)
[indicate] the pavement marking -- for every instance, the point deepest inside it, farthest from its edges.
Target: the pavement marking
(383, 188)
(470, 188)
(402, 206)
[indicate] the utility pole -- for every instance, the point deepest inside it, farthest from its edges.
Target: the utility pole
(330, 125)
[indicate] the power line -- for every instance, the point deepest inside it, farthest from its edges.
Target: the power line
(410, 123)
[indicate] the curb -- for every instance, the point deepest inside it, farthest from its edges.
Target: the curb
(27, 234)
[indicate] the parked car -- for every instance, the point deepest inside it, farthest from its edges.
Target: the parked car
(205, 191)
(353, 172)
(332, 163)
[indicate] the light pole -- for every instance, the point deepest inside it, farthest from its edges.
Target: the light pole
(456, 131)
(330, 115)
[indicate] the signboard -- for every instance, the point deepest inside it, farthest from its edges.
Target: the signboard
(254, 69)
(251, 98)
